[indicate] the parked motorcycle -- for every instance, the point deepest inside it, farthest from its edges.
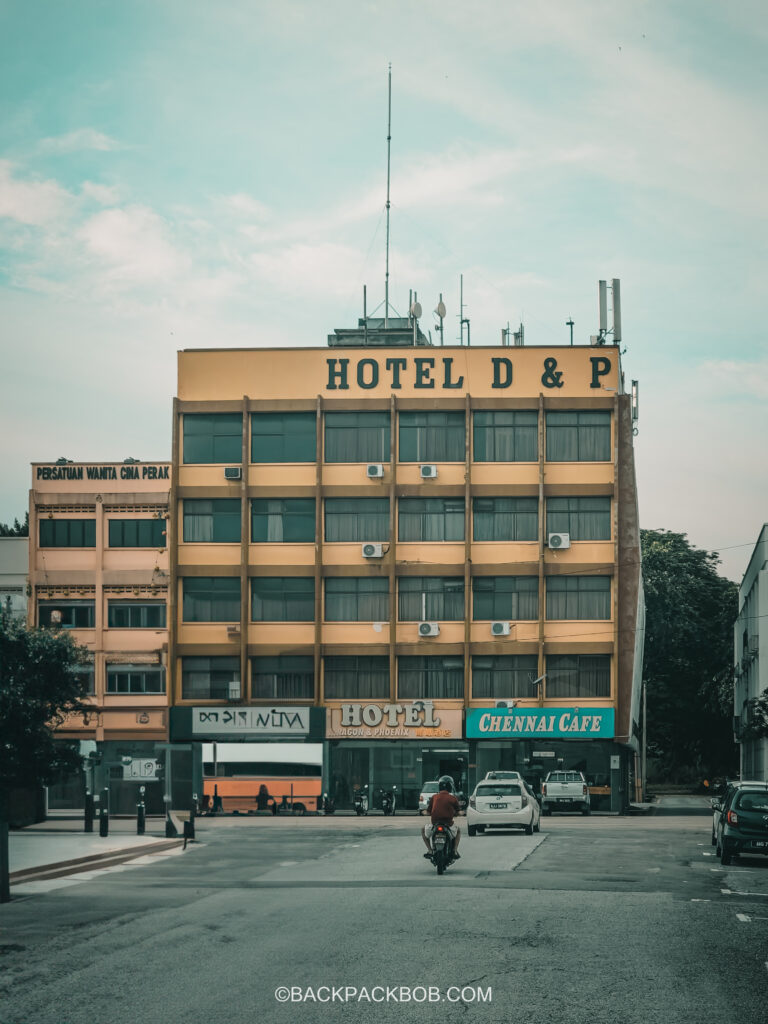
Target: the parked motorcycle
(441, 847)
(388, 800)
(329, 805)
(361, 801)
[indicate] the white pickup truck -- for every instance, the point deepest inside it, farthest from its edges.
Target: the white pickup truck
(565, 791)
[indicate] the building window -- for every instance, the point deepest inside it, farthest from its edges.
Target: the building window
(137, 533)
(357, 599)
(578, 675)
(357, 437)
(283, 437)
(67, 614)
(283, 678)
(136, 614)
(505, 436)
(283, 599)
(356, 678)
(504, 676)
(67, 533)
(432, 437)
(283, 520)
(211, 521)
(578, 436)
(356, 519)
(430, 678)
(211, 599)
(428, 519)
(84, 674)
(505, 519)
(434, 598)
(135, 679)
(209, 678)
(514, 598)
(213, 437)
(578, 597)
(581, 518)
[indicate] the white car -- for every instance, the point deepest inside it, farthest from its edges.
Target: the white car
(502, 804)
(503, 775)
(428, 789)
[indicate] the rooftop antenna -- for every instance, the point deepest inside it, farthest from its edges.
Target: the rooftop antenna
(462, 319)
(389, 148)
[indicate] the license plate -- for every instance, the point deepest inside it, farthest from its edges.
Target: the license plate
(759, 844)
(497, 807)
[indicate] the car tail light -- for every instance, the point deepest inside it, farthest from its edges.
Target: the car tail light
(525, 801)
(543, 789)
(472, 801)
(584, 790)
(733, 818)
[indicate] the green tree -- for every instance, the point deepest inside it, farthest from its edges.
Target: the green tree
(690, 611)
(39, 689)
(17, 530)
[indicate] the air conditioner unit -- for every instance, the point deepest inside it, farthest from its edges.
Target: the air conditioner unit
(505, 703)
(374, 470)
(500, 629)
(429, 629)
(428, 472)
(233, 632)
(372, 550)
(559, 541)
(232, 473)
(234, 689)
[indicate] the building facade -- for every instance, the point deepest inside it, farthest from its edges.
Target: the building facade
(751, 665)
(437, 548)
(14, 570)
(98, 566)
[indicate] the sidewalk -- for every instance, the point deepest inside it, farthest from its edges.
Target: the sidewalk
(59, 846)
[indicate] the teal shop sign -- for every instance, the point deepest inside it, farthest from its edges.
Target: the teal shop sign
(568, 723)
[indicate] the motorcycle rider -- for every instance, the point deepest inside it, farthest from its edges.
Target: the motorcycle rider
(443, 807)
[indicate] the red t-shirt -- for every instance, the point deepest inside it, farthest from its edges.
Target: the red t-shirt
(442, 806)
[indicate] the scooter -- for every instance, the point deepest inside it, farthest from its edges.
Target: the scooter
(361, 801)
(388, 800)
(441, 846)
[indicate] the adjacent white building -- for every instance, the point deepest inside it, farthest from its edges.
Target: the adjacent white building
(14, 574)
(751, 658)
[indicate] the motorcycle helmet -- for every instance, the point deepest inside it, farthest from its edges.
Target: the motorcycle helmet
(445, 782)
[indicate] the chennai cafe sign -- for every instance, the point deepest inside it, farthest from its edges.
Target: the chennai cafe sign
(587, 723)
(430, 373)
(407, 720)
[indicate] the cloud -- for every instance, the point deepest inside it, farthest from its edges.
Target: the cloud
(134, 246)
(732, 378)
(75, 142)
(107, 195)
(30, 202)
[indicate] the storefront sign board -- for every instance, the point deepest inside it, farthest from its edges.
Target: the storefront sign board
(277, 721)
(567, 723)
(414, 720)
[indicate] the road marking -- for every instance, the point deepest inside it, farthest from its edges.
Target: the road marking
(726, 892)
(709, 855)
(701, 901)
(743, 917)
(715, 869)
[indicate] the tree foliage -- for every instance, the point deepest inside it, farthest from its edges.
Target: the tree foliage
(39, 689)
(17, 529)
(690, 611)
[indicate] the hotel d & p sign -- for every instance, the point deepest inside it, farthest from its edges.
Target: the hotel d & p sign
(402, 721)
(567, 723)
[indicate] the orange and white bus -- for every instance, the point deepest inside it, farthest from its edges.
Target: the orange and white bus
(250, 777)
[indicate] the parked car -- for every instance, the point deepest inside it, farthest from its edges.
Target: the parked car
(565, 791)
(502, 804)
(428, 789)
(743, 824)
(503, 775)
(719, 801)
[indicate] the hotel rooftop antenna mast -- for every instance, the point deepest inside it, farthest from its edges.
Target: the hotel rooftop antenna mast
(389, 147)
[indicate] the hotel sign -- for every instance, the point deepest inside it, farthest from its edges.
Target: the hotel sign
(278, 721)
(415, 720)
(540, 723)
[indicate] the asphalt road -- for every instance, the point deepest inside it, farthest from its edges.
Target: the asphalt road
(594, 920)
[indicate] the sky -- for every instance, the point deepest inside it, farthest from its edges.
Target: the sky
(188, 174)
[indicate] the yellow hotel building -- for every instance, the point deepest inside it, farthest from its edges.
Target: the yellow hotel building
(431, 553)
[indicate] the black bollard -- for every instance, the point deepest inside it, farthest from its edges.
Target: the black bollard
(104, 814)
(90, 813)
(192, 815)
(140, 819)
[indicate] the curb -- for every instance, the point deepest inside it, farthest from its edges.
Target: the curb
(99, 860)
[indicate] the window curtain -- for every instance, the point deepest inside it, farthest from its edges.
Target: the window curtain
(505, 519)
(211, 520)
(283, 437)
(431, 519)
(578, 597)
(578, 436)
(582, 518)
(283, 520)
(357, 437)
(430, 678)
(356, 519)
(505, 675)
(283, 678)
(505, 597)
(435, 598)
(580, 675)
(356, 599)
(283, 599)
(212, 437)
(357, 677)
(505, 436)
(211, 599)
(432, 437)
(208, 678)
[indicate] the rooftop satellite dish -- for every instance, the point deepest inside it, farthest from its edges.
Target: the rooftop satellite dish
(416, 310)
(440, 310)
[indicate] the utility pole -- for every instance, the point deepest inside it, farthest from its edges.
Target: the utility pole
(569, 323)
